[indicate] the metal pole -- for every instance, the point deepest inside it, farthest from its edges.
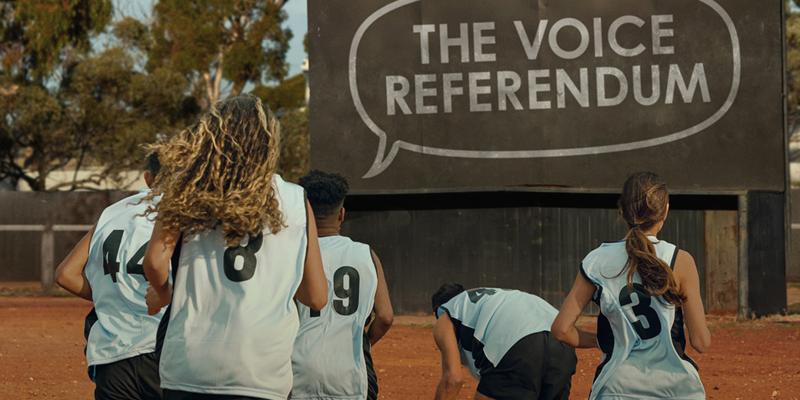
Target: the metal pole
(48, 269)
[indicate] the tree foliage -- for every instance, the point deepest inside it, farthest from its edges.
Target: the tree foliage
(43, 41)
(212, 42)
(288, 95)
(80, 92)
(793, 64)
(295, 144)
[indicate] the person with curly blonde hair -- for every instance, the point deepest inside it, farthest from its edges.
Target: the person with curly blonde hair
(245, 246)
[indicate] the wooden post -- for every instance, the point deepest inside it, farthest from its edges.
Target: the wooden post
(47, 267)
(765, 244)
(744, 305)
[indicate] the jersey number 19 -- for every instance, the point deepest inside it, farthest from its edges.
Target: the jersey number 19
(350, 293)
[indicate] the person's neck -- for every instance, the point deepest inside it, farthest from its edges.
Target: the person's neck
(327, 229)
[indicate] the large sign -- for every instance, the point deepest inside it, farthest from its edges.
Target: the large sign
(426, 95)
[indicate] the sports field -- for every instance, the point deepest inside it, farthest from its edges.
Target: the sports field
(41, 356)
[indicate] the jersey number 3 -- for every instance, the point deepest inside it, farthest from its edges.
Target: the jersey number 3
(248, 255)
(641, 309)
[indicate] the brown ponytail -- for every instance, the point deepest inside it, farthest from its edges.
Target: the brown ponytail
(643, 204)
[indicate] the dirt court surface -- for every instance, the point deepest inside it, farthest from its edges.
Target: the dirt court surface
(41, 356)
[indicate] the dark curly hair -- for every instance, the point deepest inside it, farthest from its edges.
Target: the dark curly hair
(152, 164)
(445, 293)
(325, 191)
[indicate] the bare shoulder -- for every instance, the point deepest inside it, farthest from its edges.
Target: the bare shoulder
(685, 264)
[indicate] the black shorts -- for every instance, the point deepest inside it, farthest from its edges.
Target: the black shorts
(134, 378)
(179, 395)
(536, 367)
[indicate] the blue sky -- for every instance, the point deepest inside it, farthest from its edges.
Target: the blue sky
(297, 22)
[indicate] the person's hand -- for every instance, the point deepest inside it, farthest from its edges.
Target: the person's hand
(154, 301)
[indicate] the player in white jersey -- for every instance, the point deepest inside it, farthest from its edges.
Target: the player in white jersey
(105, 267)
(503, 337)
(247, 246)
(646, 289)
(331, 357)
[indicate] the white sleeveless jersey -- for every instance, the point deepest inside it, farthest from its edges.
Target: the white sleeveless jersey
(115, 274)
(489, 321)
(328, 359)
(642, 337)
(233, 320)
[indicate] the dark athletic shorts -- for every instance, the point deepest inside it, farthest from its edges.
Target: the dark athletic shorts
(537, 367)
(179, 395)
(134, 378)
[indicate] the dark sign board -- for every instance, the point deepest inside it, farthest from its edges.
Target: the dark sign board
(427, 95)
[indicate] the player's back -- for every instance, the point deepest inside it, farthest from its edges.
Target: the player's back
(114, 270)
(328, 359)
(642, 337)
(233, 319)
(489, 321)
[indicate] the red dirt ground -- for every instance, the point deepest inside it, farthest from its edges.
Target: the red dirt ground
(41, 356)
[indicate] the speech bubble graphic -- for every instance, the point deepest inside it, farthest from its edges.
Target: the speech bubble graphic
(386, 152)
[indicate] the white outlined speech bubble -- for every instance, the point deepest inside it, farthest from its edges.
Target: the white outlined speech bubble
(384, 158)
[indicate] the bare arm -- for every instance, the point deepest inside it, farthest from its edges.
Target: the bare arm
(384, 315)
(564, 328)
(452, 380)
(313, 289)
(694, 313)
(156, 267)
(70, 273)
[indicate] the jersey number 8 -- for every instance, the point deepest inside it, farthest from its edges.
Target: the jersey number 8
(248, 255)
(350, 293)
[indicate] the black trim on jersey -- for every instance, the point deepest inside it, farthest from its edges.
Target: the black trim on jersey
(598, 289)
(372, 377)
(679, 338)
(465, 336)
(674, 257)
(306, 206)
(585, 275)
(88, 322)
(161, 334)
(605, 339)
(677, 332)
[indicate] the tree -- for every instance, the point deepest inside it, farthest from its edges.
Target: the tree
(288, 95)
(114, 109)
(69, 106)
(295, 144)
(216, 42)
(42, 40)
(793, 65)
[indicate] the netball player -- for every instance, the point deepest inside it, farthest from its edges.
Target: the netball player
(503, 337)
(646, 288)
(331, 357)
(247, 247)
(105, 267)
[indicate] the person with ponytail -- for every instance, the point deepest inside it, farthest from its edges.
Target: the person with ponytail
(646, 289)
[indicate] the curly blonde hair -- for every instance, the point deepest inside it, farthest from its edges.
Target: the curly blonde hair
(219, 172)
